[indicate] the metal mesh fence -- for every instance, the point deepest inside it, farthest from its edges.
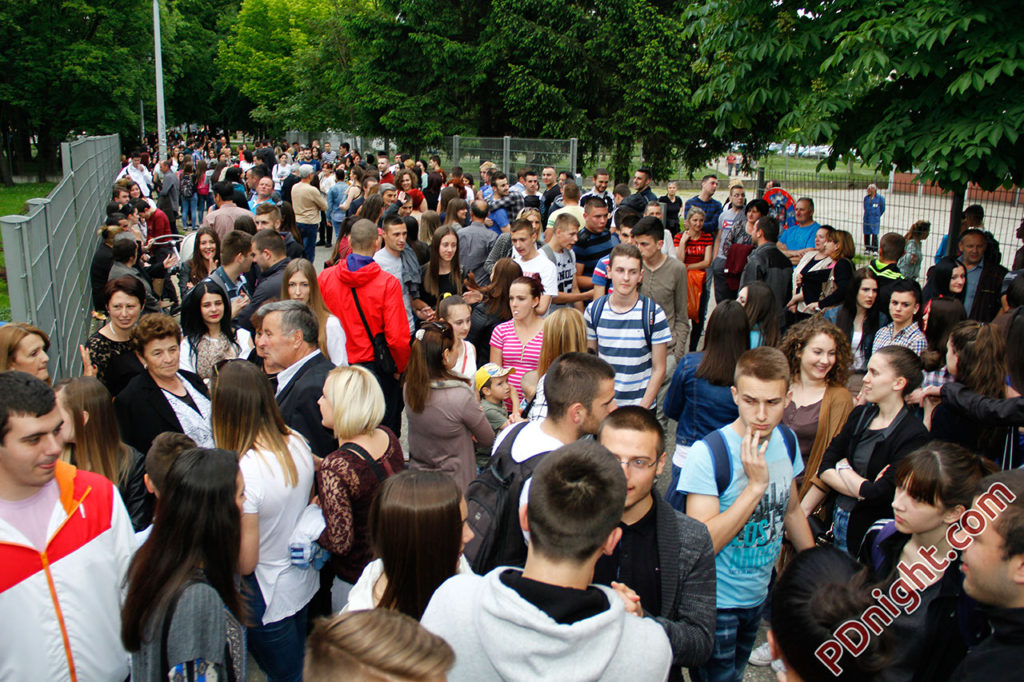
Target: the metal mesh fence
(509, 153)
(48, 251)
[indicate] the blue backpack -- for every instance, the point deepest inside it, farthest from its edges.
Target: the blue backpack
(722, 463)
(648, 314)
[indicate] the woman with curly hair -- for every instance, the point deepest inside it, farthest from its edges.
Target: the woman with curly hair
(819, 361)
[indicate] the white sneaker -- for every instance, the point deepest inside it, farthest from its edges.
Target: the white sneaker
(761, 656)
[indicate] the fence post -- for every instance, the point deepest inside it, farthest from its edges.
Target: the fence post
(455, 150)
(15, 253)
(506, 150)
(760, 181)
(573, 145)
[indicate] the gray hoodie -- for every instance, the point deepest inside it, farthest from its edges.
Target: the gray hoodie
(498, 635)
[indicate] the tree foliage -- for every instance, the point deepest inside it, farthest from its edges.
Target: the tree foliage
(932, 84)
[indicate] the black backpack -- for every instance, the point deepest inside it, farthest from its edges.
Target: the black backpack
(492, 500)
(188, 187)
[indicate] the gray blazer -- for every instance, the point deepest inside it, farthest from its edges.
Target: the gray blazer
(688, 602)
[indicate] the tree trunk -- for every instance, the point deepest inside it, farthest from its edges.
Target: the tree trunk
(956, 210)
(44, 153)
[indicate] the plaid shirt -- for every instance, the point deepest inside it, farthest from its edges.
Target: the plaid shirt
(512, 202)
(911, 337)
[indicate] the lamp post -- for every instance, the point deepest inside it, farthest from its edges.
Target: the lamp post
(161, 127)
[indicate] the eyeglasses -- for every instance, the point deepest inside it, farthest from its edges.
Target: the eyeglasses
(637, 463)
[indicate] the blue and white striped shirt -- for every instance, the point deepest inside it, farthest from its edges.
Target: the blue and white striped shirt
(622, 344)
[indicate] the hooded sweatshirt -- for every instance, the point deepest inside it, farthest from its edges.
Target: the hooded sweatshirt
(380, 297)
(498, 635)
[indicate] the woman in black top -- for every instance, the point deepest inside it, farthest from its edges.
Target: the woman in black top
(163, 398)
(673, 205)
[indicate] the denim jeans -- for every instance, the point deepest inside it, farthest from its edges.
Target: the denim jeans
(308, 232)
(204, 203)
(840, 527)
(188, 212)
(278, 647)
(735, 633)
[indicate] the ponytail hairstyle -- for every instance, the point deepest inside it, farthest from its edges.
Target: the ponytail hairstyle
(426, 363)
(906, 364)
(821, 589)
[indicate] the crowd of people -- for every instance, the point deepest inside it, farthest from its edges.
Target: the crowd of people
(230, 479)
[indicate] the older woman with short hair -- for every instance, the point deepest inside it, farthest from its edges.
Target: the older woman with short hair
(23, 348)
(163, 398)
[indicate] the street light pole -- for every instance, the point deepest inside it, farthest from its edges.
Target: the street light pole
(161, 127)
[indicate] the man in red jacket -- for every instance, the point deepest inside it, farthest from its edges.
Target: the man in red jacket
(358, 283)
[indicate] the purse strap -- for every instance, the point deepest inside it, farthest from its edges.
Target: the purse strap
(378, 470)
(362, 317)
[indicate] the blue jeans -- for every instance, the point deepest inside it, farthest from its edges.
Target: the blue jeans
(204, 203)
(308, 232)
(188, 212)
(735, 633)
(278, 647)
(840, 527)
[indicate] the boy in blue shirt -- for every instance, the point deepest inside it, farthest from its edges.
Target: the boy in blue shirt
(748, 517)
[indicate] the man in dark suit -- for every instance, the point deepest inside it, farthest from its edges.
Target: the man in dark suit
(289, 339)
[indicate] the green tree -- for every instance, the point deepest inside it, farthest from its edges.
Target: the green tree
(578, 72)
(932, 84)
(69, 67)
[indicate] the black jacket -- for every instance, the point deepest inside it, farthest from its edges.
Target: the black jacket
(988, 299)
(99, 270)
(1001, 655)
(766, 263)
(298, 403)
(906, 437)
(981, 424)
(952, 622)
(268, 287)
(143, 412)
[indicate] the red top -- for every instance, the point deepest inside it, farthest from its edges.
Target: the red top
(695, 247)
(157, 225)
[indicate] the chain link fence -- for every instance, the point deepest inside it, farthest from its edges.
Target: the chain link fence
(48, 252)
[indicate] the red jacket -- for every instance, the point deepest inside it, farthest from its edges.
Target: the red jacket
(380, 297)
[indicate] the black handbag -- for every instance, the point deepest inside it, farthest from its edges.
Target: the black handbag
(383, 362)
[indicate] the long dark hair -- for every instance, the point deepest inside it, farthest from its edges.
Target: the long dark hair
(288, 223)
(426, 363)
(848, 310)
(197, 265)
(763, 312)
(430, 280)
(728, 337)
(192, 325)
(1015, 359)
(496, 294)
(943, 315)
(198, 526)
(939, 277)
(416, 530)
(372, 208)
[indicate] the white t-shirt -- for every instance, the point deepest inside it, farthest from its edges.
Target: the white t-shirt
(336, 348)
(286, 588)
(531, 441)
(542, 266)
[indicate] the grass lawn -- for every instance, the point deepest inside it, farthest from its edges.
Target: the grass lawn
(12, 200)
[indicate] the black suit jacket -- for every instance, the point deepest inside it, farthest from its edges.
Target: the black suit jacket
(143, 412)
(298, 403)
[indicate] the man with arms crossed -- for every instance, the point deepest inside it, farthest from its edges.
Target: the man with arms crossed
(746, 519)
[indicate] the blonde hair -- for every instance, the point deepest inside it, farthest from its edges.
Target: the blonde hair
(564, 332)
(246, 416)
(316, 300)
(379, 645)
(357, 402)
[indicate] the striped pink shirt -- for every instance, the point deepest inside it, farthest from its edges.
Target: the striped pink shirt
(514, 354)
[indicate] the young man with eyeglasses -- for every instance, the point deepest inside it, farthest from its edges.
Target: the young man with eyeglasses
(664, 557)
